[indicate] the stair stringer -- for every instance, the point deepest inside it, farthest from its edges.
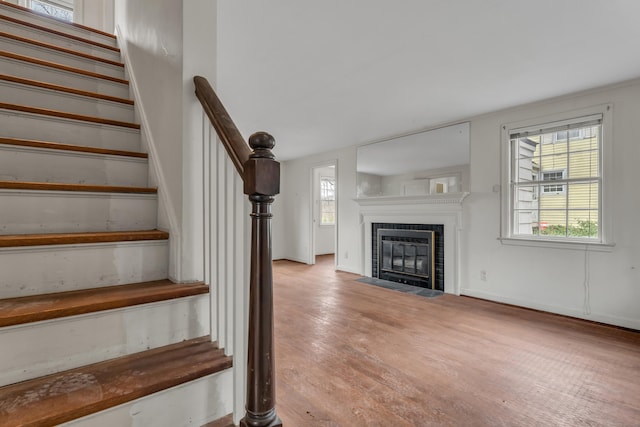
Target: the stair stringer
(167, 217)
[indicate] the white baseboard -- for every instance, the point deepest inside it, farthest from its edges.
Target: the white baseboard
(594, 317)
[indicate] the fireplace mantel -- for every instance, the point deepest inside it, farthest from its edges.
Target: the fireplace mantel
(430, 199)
(444, 209)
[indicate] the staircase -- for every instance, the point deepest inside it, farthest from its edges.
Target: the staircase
(92, 333)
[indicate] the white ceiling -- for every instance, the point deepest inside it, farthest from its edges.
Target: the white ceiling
(333, 73)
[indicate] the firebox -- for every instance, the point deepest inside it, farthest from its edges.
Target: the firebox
(406, 256)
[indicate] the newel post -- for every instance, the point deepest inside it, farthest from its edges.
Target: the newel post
(261, 184)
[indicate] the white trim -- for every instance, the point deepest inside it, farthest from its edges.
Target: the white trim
(564, 244)
(624, 322)
(429, 199)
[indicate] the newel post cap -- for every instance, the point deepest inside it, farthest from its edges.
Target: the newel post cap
(261, 171)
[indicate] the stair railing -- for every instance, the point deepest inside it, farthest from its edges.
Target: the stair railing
(260, 174)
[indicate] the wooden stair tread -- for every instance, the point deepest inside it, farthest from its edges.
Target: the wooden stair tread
(59, 33)
(60, 49)
(61, 67)
(75, 393)
(21, 310)
(65, 115)
(57, 20)
(20, 240)
(69, 147)
(51, 86)
(89, 188)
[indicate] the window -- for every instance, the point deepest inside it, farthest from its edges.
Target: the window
(554, 178)
(61, 9)
(327, 201)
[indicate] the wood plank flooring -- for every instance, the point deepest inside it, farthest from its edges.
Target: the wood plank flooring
(351, 354)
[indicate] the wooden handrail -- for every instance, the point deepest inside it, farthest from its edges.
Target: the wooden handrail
(261, 177)
(227, 131)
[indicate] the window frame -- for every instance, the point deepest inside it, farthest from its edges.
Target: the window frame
(507, 234)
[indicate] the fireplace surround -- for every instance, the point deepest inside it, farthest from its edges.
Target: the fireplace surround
(408, 253)
(444, 210)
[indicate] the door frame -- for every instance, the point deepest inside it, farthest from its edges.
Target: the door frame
(312, 228)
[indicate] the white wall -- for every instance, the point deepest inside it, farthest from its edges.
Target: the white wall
(541, 278)
(162, 56)
(292, 221)
(554, 279)
(98, 14)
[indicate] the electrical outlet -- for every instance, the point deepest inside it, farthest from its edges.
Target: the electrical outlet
(483, 275)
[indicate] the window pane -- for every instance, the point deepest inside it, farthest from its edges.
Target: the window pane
(327, 201)
(584, 164)
(525, 222)
(553, 223)
(553, 163)
(525, 167)
(553, 199)
(583, 223)
(583, 195)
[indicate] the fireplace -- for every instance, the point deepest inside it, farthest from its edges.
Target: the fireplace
(409, 253)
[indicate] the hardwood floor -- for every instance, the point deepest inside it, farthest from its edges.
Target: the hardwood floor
(351, 354)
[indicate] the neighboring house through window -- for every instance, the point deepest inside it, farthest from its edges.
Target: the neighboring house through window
(327, 201)
(554, 188)
(553, 176)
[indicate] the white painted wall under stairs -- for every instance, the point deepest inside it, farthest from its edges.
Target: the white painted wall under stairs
(33, 212)
(52, 75)
(63, 58)
(73, 103)
(24, 163)
(15, 124)
(46, 347)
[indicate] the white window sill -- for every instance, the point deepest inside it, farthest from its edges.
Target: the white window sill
(558, 244)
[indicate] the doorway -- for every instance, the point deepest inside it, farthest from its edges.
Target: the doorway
(324, 210)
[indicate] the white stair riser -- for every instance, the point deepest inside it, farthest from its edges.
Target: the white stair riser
(55, 25)
(48, 269)
(35, 212)
(43, 128)
(43, 165)
(54, 76)
(61, 41)
(195, 403)
(43, 348)
(33, 96)
(27, 49)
